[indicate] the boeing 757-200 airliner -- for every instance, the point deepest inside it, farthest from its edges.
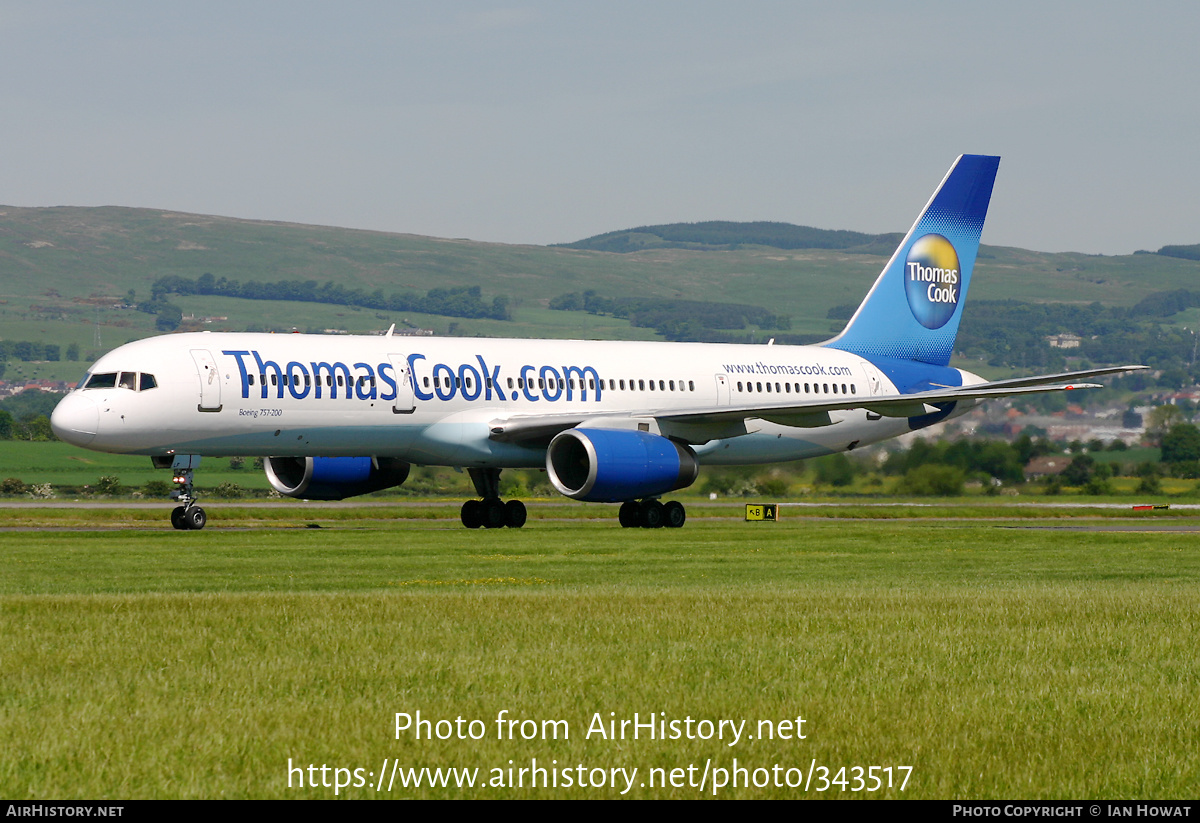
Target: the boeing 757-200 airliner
(616, 422)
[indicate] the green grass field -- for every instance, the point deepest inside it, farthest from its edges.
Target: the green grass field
(1049, 655)
(61, 464)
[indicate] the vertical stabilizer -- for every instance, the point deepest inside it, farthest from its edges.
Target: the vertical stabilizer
(912, 311)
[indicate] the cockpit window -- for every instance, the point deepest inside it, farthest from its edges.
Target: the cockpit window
(125, 380)
(101, 381)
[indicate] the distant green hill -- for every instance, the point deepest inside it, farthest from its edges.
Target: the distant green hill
(72, 259)
(724, 235)
(75, 277)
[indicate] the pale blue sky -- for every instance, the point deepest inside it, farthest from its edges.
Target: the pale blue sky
(544, 122)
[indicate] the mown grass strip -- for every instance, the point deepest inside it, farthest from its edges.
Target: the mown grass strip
(998, 662)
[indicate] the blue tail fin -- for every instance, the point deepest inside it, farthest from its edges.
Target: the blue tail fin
(912, 311)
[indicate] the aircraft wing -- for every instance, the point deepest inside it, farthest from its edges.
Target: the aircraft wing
(897, 405)
(728, 421)
(1043, 379)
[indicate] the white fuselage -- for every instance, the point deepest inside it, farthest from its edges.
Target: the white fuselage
(435, 401)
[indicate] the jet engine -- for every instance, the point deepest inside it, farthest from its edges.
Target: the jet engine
(611, 465)
(333, 478)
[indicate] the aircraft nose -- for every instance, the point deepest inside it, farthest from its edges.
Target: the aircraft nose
(76, 419)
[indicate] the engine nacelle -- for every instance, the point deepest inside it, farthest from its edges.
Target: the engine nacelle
(611, 465)
(333, 478)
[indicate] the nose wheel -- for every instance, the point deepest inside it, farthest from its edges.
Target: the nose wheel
(188, 519)
(187, 516)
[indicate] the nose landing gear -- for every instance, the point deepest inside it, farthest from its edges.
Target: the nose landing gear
(187, 516)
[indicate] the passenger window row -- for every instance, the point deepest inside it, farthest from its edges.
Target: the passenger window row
(794, 388)
(651, 385)
(277, 379)
(541, 383)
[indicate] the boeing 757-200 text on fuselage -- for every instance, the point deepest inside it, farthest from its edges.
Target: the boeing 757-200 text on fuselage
(627, 422)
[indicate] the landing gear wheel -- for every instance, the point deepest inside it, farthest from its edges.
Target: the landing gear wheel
(514, 514)
(629, 514)
(674, 515)
(494, 515)
(177, 515)
(651, 514)
(195, 518)
(472, 514)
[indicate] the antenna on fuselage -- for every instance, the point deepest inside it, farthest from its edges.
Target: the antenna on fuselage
(391, 329)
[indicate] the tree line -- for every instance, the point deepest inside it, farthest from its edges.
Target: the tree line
(29, 351)
(944, 468)
(464, 301)
(1012, 333)
(1185, 252)
(26, 416)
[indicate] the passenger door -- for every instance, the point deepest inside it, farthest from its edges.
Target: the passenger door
(405, 402)
(722, 389)
(210, 381)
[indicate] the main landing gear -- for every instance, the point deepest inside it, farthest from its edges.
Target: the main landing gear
(187, 516)
(491, 512)
(651, 514)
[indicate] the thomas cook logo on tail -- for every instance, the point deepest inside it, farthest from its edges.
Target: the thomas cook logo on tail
(932, 280)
